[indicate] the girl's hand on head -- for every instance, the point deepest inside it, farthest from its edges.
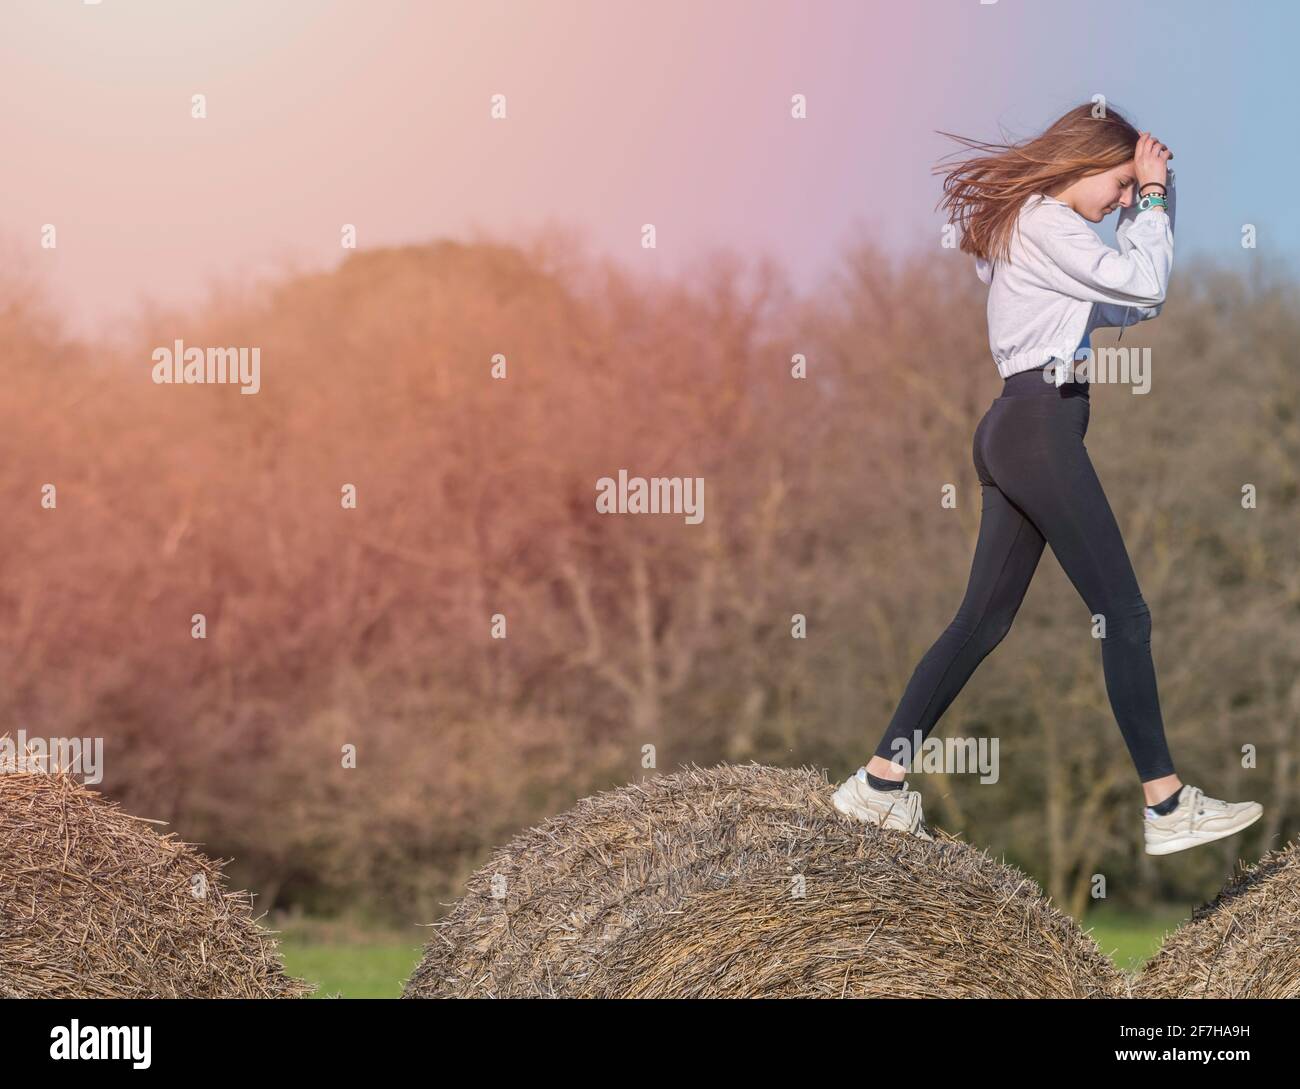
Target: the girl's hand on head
(1150, 160)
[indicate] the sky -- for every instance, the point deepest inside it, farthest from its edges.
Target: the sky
(378, 113)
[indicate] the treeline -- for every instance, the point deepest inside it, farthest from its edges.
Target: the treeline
(373, 629)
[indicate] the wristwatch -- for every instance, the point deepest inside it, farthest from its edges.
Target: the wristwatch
(1153, 200)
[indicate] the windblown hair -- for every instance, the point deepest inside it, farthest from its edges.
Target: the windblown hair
(984, 194)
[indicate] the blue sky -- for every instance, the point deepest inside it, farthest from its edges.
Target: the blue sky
(675, 113)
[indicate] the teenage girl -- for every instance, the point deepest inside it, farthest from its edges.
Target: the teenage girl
(1022, 212)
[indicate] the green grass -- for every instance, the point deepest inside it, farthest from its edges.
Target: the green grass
(357, 961)
(367, 971)
(349, 959)
(1130, 939)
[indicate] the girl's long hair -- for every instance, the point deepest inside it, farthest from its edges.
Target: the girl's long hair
(984, 194)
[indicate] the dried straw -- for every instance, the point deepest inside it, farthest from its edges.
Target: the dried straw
(1245, 943)
(742, 881)
(96, 904)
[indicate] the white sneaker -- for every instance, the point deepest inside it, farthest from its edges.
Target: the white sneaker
(898, 809)
(1196, 820)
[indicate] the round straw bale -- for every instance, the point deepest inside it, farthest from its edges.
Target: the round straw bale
(743, 880)
(95, 904)
(1245, 943)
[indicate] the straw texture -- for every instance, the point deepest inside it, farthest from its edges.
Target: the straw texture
(1245, 943)
(743, 881)
(95, 904)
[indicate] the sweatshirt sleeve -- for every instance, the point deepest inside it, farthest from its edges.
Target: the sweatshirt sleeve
(1110, 315)
(1071, 259)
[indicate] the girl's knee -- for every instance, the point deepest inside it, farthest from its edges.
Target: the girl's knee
(1129, 622)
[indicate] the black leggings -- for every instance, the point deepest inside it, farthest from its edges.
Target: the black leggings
(1039, 485)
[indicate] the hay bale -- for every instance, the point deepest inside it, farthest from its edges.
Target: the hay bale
(95, 904)
(1245, 943)
(685, 885)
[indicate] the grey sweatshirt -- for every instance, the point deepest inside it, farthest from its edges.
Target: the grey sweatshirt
(1060, 281)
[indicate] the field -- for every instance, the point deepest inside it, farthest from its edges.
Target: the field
(349, 959)
(355, 960)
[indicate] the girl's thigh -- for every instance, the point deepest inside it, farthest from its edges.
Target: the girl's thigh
(1044, 468)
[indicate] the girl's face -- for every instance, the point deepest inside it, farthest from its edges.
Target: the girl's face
(1097, 195)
